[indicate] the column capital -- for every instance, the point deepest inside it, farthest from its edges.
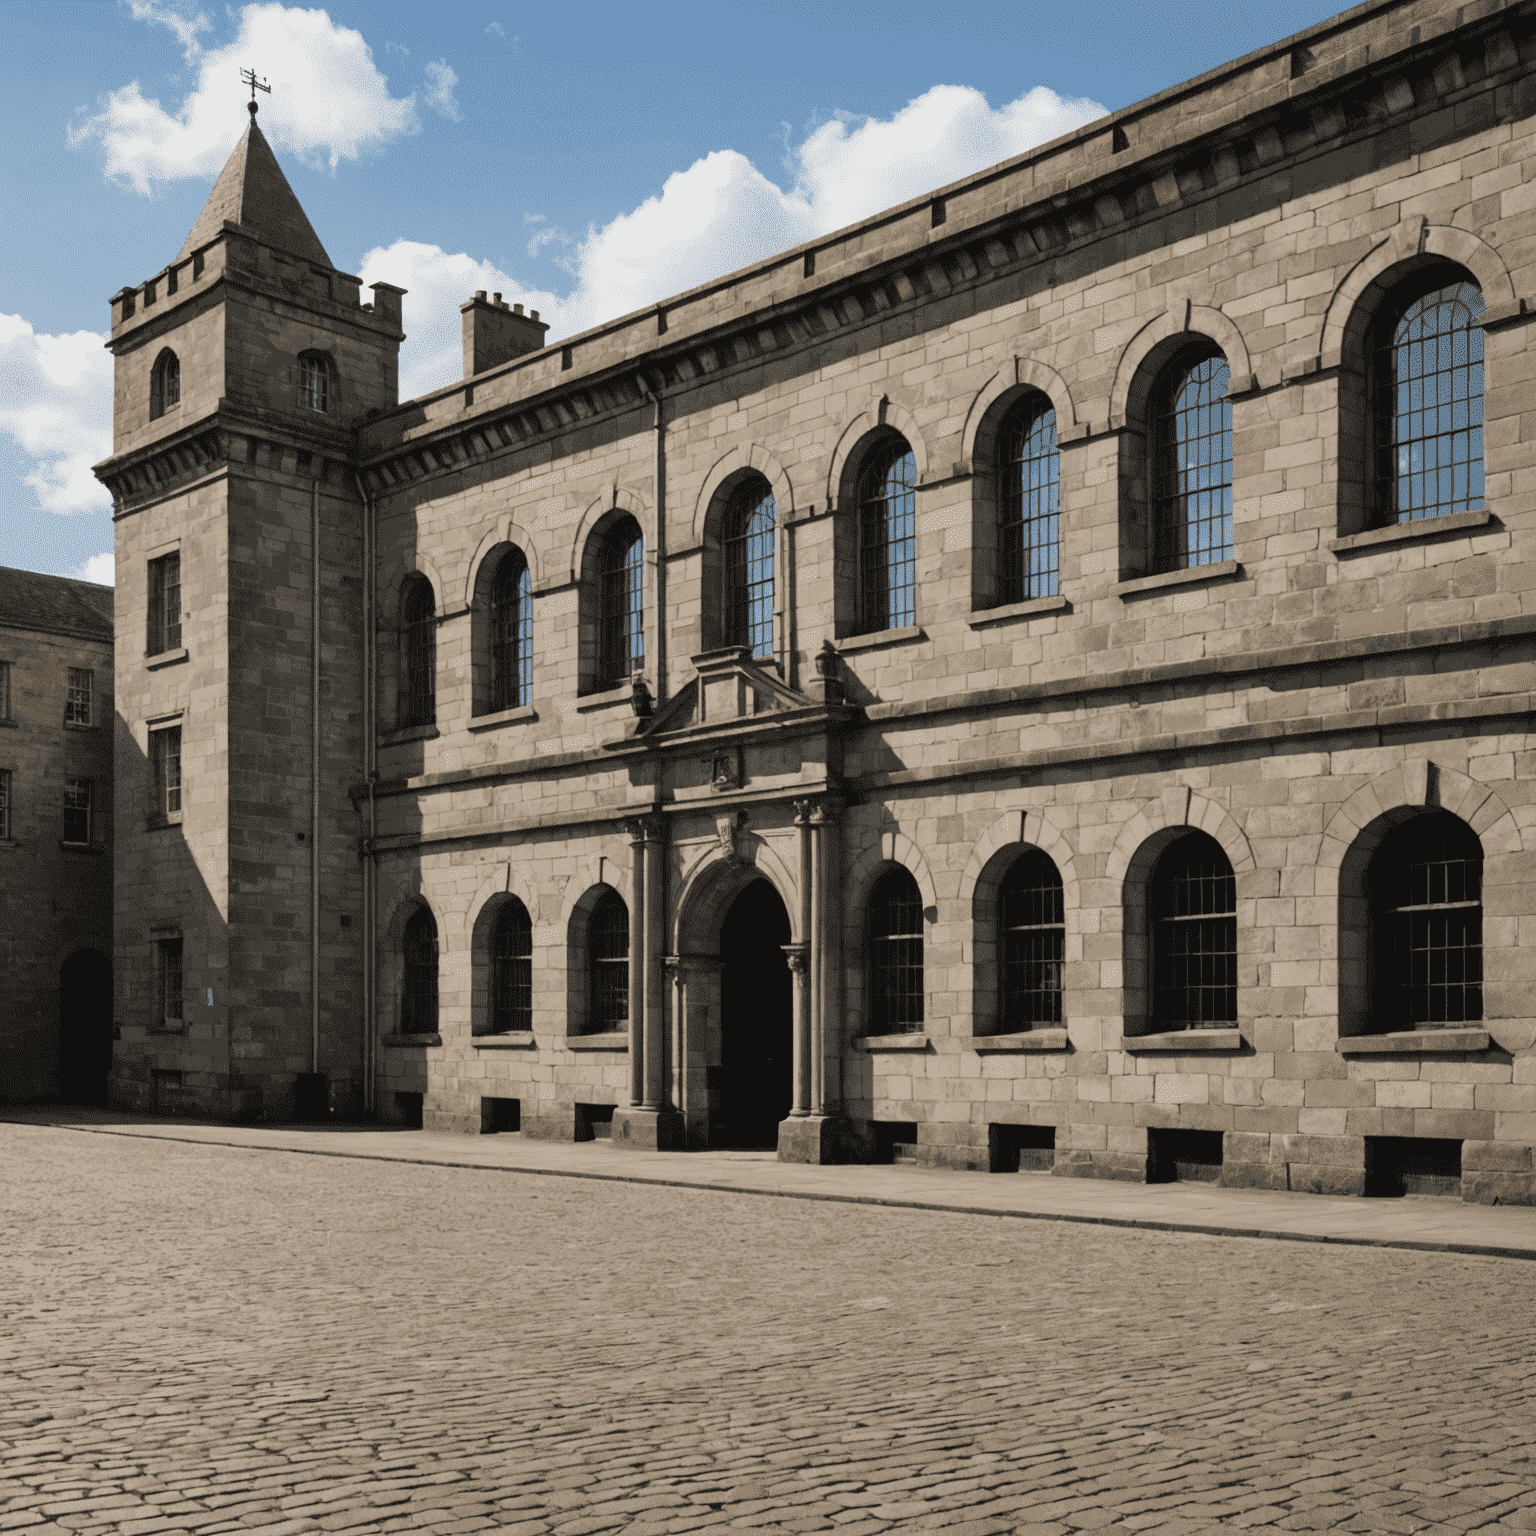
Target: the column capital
(826, 811)
(647, 827)
(691, 965)
(797, 955)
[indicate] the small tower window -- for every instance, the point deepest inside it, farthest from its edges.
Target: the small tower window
(164, 384)
(314, 382)
(418, 654)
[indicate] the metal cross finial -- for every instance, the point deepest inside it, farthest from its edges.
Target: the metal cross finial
(248, 77)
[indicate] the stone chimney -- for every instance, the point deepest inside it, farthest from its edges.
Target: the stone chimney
(495, 332)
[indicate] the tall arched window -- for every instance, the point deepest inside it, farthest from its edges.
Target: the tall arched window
(1193, 898)
(1428, 386)
(608, 964)
(511, 634)
(621, 604)
(895, 954)
(164, 384)
(888, 539)
(512, 969)
(1029, 481)
(1192, 463)
(747, 544)
(418, 990)
(1426, 890)
(1032, 941)
(418, 654)
(315, 382)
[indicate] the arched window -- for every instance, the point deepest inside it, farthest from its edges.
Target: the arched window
(1193, 897)
(1032, 942)
(608, 965)
(1428, 387)
(511, 634)
(1029, 481)
(1192, 463)
(418, 654)
(888, 539)
(418, 991)
(164, 384)
(895, 954)
(621, 604)
(512, 969)
(314, 382)
(747, 543)
(1426, 889)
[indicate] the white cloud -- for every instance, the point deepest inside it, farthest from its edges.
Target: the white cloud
(185, 26)
(329, 102)
(440, 95)
(98, 568)
(56, 402)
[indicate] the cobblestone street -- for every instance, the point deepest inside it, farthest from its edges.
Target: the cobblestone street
(210, 1339)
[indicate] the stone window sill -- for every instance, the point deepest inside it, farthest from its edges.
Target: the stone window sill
(1411, 533)
(162, 1030)
(610, 1040)
(620, 695)
(78, 725)
(880, 637)
(914, 1042)
(1415, 1042)
(1033, 608)
(6, 723)
(79, 847)
(1186, 1042)
(504, 717)
(1222, 570)
(408, 733)
(395, 1042)
(155, 823)
(154, 660)
(1026, 1040)
(512, 1040)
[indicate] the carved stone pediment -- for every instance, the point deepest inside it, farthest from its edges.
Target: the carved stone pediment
(728, 689)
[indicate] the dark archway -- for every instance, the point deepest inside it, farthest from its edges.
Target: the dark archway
(85, 1028)
(756, 1033)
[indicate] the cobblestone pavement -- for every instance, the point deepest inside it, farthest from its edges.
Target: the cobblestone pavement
(211, 1339)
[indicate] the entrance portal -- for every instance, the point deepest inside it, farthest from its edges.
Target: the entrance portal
(756, 1028)
(85, 1028)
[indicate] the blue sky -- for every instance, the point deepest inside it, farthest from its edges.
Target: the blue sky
(584, 158)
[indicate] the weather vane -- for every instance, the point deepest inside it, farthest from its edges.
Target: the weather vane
(248, 77)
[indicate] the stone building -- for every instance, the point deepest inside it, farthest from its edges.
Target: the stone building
(56, 751)
(1040, 677)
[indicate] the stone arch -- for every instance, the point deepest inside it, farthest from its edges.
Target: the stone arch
(1180, 807)
(596, 869)
(1145, 352)
(729, 467)
(410, 563)
(1001, 390)
(1015, 831)
(881, 412)
(507, 882)
(892, 848)
(497, 544)
(615, 499)
(728, 473)
(506, 531)
(392, 966)
(713, 879)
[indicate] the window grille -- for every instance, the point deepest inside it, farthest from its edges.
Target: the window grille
(418, 655)
(1029, 527)
(418, 994)
(164, 385)
(512, 969)
(1194, 936)
(1429, 407)
(621, 605)
(167, 758)
(77, 811)
(5, 805)
(77, 704)
(314, 382)
(1427, 878)
(1192, 471)
(5, 690)
(748, 549)
(164, 604)
(1033, 942)
(608, 976)
(169, 1005)
(895, 954)
(887, 540)
(511, 634)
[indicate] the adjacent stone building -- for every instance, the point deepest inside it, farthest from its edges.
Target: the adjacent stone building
(56, 751)
(1038, 678)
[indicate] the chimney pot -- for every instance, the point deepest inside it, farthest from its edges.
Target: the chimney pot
(533, 314)
(496, 298)
(517, 309)
(480, 293)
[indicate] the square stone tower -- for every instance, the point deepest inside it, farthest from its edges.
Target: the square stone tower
(242, 370)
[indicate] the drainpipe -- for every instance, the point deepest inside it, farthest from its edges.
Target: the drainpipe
(314, 787)
(660, 584)
(370, 775)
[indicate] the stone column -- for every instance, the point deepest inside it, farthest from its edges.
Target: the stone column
(636, 831)
(800, 1091)
(655, 982)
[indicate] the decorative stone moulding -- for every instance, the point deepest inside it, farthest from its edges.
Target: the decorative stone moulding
(1185, 1042)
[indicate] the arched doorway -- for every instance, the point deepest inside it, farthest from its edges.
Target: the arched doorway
(756, 1031)
(85, 1028)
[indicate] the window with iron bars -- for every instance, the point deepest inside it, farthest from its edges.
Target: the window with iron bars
(749, 529)
(1029, 525)
(1429, 405)
(608, 965)
(511, 634)
(621, 604)
(1032, 945)
(1192, 465)
(77, 811)
(170, 1008)
(164, 604)
(5, 690)
(888, 539)
(418, 990)
(418, 655)
(895, 954)
(167, 765)
(314, 382)
(512, 969)
(1193, 900)
(5, 805)
(77, 703)
(1427, 883)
